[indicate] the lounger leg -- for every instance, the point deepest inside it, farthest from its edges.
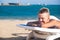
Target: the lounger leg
(30, 36)
(52, 37)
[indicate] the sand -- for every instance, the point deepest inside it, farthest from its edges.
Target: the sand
(9, 30)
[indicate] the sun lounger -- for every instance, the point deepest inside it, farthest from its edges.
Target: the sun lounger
(45, 33)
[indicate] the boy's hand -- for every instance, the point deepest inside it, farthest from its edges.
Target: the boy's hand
(34, 24)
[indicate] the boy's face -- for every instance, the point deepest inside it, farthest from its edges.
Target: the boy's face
(43, 17)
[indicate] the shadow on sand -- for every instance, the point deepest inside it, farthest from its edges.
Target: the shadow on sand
(20, 37)
(14, 38)
(17, 38)
(17, 34)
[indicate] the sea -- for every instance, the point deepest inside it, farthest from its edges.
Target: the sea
(27, 12)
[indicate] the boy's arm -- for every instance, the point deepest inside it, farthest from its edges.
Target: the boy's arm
(49, 24)
(31, 24)
(57, 24)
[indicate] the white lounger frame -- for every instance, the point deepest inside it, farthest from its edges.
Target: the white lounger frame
(50, 37)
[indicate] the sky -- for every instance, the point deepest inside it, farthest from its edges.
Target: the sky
(47, 2)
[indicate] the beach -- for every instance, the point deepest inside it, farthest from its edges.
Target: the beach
(9, 30)
(10, 16)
